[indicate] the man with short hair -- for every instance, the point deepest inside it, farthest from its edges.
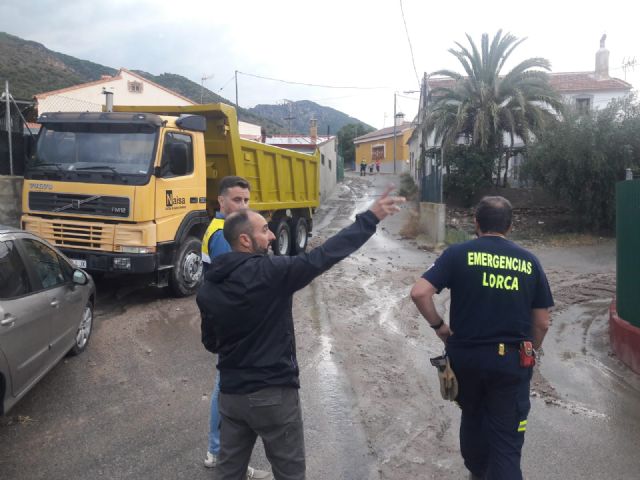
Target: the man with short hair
(246, 303)
(233, 195)
(500, 302)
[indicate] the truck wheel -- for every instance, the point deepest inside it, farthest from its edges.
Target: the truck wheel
(300, 235)
(186, 274)
(282, 244)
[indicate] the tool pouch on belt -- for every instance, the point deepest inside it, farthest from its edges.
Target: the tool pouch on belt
(448, 380)
(527, 357)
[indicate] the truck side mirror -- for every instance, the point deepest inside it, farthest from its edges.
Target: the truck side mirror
(178, 158)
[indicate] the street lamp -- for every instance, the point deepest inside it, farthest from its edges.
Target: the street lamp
(394, 125)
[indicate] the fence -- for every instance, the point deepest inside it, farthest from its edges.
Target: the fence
(628, 245)
(17, 146)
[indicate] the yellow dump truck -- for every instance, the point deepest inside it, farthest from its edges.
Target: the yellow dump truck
(132, 191)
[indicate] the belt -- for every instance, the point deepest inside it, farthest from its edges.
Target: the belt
(503, 348)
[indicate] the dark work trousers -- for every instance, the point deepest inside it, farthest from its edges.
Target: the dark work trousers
(273, 414)
(494, 397)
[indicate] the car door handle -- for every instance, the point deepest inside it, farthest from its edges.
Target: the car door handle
(7, 321)
(54, 303)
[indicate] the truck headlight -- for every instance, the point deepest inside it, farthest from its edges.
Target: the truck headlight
(126, 249)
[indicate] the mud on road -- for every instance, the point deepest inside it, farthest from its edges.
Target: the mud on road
(135, 405)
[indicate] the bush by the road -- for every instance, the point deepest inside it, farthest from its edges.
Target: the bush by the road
(580, 160)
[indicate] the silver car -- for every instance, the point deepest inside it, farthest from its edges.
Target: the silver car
(46, 311)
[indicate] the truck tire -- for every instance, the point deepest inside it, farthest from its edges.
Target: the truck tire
(186, 274)
(300, 235)
(282, 244)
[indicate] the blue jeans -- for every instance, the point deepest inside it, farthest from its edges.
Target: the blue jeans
(214, 419)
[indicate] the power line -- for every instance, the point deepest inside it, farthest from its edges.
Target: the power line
(410, 46)
(226, 83)
(311, 84)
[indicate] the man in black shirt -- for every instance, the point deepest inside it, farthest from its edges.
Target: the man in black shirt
(500, 298)
(246, 301)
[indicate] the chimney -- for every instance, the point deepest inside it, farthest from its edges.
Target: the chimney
(399, 119)
(602, 61)
(108, 99)
(313, 130)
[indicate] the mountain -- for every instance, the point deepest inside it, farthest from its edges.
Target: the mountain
(301, 112)
(195, 92)
(32, 68)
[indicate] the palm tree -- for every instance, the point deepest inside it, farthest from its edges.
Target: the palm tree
(485, 104)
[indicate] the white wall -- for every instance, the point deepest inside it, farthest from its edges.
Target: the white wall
(328, 176)
(91, 99)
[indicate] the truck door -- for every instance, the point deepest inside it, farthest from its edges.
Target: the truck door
(176, 186)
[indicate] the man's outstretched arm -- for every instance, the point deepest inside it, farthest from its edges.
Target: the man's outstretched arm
(305, 267)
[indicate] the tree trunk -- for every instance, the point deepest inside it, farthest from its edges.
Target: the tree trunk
(507, 155)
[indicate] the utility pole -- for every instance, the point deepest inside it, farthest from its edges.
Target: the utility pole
(237, 106)
(394, 133)
(8, 122)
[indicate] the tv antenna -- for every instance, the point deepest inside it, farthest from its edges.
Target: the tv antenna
(204, 77)
(629, 64)
(290, 116)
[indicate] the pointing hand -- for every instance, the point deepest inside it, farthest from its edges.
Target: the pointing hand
(386, 205)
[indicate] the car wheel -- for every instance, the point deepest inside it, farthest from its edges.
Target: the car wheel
(300, 235)
(186, 274)
(282, 243)
(84, 330)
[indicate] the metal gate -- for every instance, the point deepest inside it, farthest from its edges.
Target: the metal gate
(628, 256)
(431, 188)
(340, 168)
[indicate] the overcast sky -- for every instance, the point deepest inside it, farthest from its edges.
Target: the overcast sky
(359, 43)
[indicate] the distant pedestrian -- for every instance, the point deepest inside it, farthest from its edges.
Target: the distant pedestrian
(363, 167)
(499, 315)
(378, 166)
(246, 301)
(371, 169)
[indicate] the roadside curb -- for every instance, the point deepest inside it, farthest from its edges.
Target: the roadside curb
(625, 339)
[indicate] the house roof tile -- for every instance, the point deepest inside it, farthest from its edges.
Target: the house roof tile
(563, 82)
(382, 133)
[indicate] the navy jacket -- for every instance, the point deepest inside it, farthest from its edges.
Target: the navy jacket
(246, 302)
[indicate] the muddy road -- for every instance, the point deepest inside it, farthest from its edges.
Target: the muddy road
(135, 405)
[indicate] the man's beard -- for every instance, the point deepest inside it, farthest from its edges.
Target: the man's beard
(256, 248)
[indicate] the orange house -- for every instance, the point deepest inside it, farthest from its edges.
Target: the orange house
(378, 145)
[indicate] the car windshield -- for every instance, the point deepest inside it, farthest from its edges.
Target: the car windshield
(119, 152)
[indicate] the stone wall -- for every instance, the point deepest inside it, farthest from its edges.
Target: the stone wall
(10, 200)
(432, 222)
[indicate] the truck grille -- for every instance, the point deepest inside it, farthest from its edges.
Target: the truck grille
(76, 204)
(62, 233)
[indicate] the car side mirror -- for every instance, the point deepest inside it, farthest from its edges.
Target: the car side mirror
(80, 277)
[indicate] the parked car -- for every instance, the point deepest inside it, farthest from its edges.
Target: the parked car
(46, 311)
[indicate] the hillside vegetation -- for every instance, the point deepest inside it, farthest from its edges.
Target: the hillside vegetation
(31, 68)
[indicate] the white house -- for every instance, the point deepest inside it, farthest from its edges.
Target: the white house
(328, 147)
(128, 88)
(586, 91)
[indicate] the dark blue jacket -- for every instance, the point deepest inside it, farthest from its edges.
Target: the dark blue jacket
(246, 301)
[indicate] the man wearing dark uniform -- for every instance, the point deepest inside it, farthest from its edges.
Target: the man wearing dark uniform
(500, 300)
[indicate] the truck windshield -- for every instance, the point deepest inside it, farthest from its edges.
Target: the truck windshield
(101, 153)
